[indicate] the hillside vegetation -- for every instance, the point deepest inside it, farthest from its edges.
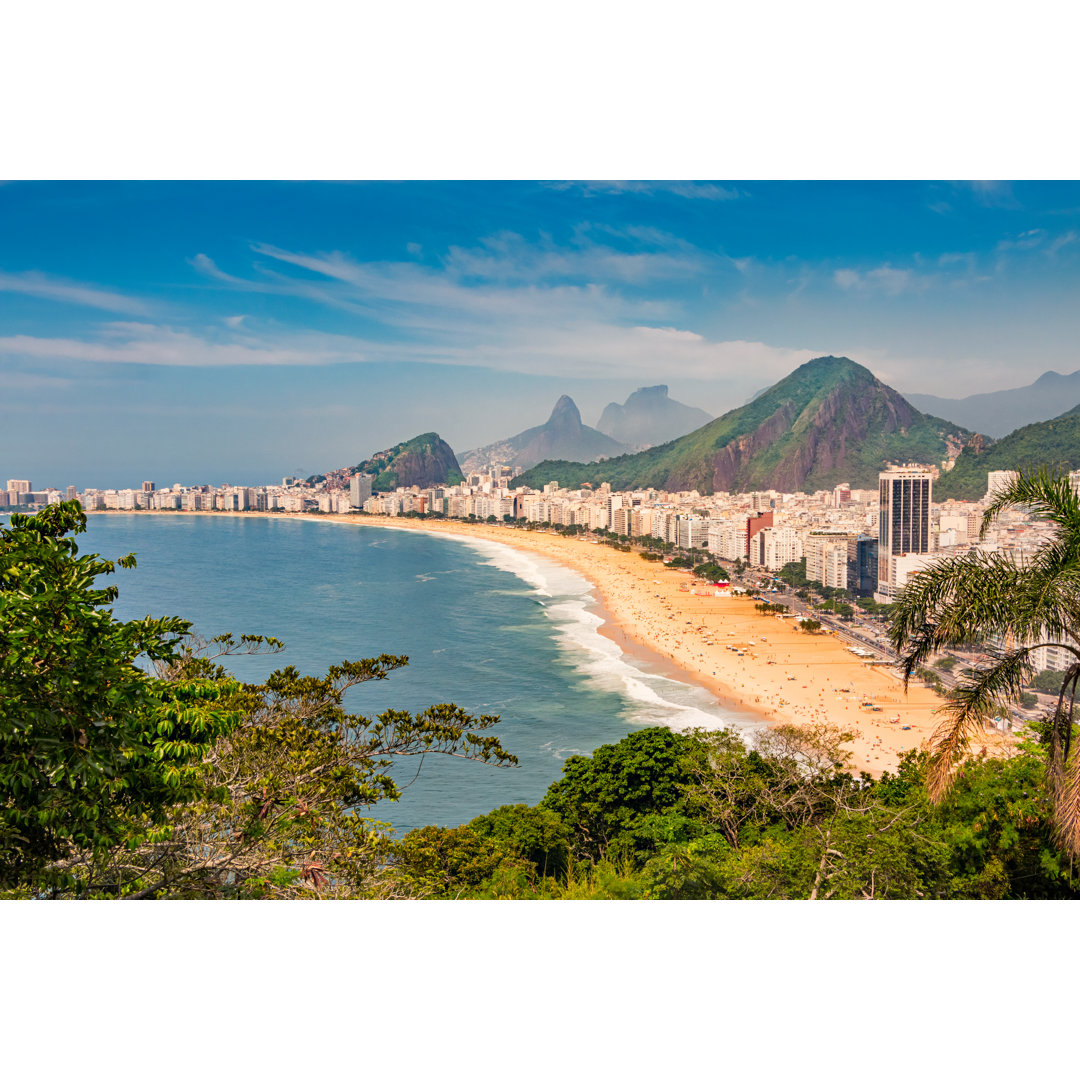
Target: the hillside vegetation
(1053, 443)
(829, 422)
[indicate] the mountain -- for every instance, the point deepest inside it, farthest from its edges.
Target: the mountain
(649, 417)
(829, 422)
(563, 436)
(1054, 443)
(425, 461)
(1001, 411)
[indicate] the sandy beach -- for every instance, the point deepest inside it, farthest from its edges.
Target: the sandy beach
(758, 663)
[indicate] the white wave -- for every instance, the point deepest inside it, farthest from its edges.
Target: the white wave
(547, 578)
(650, 698)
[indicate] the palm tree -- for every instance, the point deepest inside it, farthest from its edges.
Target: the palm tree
(1013, 609)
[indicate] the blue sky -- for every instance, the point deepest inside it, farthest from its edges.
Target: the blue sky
(226, 331)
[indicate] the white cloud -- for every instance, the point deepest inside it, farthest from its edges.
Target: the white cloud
(993, 193)
(582, 350)
(685, 189)
(32, 283)
(887, 279)
(1071, 237)
(144, 343)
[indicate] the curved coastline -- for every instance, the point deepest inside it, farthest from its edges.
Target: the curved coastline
(752, 664)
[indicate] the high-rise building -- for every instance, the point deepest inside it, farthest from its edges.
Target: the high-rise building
(148, 485)
(19, 487)
(359, 490)
(71, 493)
(866, 548)
(903, 528)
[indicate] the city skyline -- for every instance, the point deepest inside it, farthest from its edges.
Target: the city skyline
(203, 332)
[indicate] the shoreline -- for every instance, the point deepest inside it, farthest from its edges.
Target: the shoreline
(753, 664)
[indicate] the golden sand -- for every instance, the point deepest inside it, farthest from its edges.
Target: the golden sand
(759, 663)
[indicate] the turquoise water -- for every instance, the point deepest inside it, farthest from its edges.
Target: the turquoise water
(485, 627)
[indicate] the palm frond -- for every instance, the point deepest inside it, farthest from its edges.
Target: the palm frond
(1067, 807)
(980, 693)
(974, 597)
(1045, 493)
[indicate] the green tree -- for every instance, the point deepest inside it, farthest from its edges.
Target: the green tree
(1011, 610)
(282, 810)
(606, 800)
(711, 571)
(89, 743)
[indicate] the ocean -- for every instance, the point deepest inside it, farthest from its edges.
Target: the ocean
(489, 628)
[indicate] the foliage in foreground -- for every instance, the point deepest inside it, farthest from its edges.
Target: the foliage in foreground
(701, 815)
(1011, 611)
(116, 783)
(187, 783)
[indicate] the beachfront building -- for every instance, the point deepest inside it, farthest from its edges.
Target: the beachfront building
(359, 490)
(772, 549)
(903, 528)
(691, 531)
(754, 525)
(726, 539)
(832, 558)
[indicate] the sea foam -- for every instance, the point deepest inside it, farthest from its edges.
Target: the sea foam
(568, 602)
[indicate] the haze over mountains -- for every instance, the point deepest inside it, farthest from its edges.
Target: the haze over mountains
(563, 435)
(830, 421)
(1001, 411)
(649, 417)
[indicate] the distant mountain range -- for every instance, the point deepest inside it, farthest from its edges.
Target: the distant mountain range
(1001, 411)
(563, 436)
(649, 417)
(1054, 443)
(425, 460)
(830, 421)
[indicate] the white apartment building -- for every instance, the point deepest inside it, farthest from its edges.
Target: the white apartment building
(782, 545)
(691, 531)
(727, 540)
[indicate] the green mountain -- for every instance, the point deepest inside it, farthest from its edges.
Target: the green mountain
(829, 422)
(425, 461)
(1055, 443)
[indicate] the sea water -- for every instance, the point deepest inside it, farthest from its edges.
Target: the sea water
(487, 627)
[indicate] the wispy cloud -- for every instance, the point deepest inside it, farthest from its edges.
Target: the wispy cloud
(684, 189)
(887, 279)
(585, 349)
(990, 193)
(1070, 237)
(33, 283)
(145, 343)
